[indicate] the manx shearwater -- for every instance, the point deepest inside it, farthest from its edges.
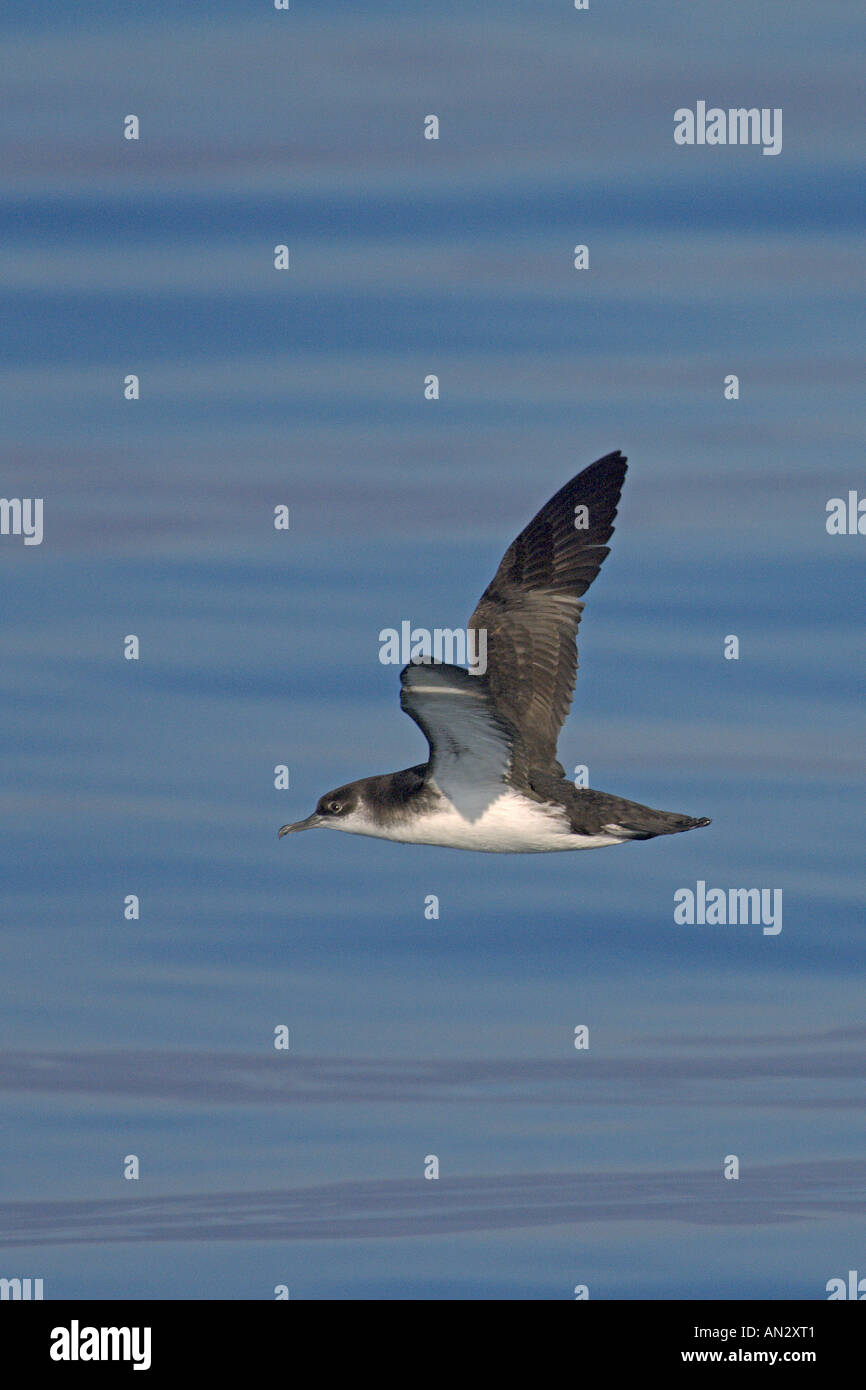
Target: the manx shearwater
(492, 781)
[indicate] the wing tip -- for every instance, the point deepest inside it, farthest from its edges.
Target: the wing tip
(616, 462)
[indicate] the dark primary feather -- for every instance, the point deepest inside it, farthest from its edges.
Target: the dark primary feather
(531, 610)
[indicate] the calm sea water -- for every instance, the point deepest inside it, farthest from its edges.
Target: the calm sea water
(408, 1036)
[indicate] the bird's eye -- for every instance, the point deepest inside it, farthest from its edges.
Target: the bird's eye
(335, 806)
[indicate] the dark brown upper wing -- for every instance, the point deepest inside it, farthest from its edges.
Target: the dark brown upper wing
(531, 609)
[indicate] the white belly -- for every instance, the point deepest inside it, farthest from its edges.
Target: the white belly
(511, 824)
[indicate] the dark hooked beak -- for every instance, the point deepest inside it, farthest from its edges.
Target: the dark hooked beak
(309, 824)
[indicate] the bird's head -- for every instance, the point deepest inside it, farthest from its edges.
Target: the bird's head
(333, 811)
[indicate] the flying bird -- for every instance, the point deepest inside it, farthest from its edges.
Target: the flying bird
(492, 781)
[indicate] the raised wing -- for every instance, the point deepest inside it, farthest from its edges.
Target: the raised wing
(470, 742)
(531, 610)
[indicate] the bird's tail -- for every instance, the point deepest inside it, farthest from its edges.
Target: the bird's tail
(643, 823)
